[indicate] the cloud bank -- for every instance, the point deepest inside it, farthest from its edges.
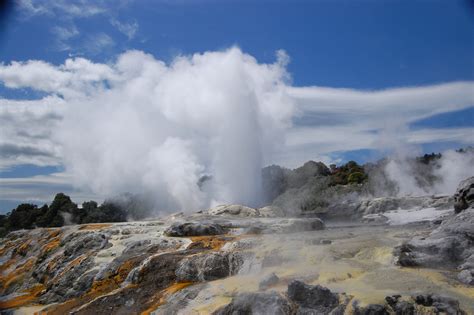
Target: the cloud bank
(138, 124)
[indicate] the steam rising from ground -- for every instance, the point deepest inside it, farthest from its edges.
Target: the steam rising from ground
(443, 178)
(158, 128)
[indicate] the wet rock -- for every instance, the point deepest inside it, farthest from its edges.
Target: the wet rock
(464, 196)
(311, 297)
(79, 243)
(259, 303)
(153, 276)
(73, 281)
(268, 281)
(179, 300)
(208, 266)
(194, 229)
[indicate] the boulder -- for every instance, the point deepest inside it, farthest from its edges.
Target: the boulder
(194, 229)
(464, 196)
(316, 298)
(259, 303)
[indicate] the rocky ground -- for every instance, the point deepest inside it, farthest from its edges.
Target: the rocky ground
(411, 255)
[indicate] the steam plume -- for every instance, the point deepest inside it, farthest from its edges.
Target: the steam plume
(158, 128)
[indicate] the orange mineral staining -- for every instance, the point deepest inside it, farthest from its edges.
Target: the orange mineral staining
(209, 242)
(27, 298)
(161, 297)
(17, 274)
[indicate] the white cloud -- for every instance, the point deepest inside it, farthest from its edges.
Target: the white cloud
(97, 43)
(76, 77)
(63, 8)
(26, 132)
(66, 13)
(63, 35)
(140, 124)
(336, 119)
(128, 29)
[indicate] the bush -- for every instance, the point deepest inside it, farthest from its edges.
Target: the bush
(349, 173)
(356, 178)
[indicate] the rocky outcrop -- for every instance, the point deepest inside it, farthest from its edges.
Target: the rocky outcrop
(194, 229)
(450, 245)
(464, 196)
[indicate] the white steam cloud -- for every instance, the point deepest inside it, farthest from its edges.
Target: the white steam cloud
(158, 128)
(448, 172)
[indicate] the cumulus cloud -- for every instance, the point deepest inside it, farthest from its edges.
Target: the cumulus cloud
(139, 124)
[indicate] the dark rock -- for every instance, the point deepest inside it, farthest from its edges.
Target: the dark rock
(208, 266)
(260, 303)
(194, 229)
(464, 196)
(400, 307)
(372, 309)
(313, 297)
(466, 276)
(79, 243)
(268, 281)
(74, 282)
(441, 304)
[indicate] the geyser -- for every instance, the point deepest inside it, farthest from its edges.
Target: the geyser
(144, 125)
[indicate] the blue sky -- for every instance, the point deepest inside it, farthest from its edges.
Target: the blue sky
(359, 44)
(353, 47)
